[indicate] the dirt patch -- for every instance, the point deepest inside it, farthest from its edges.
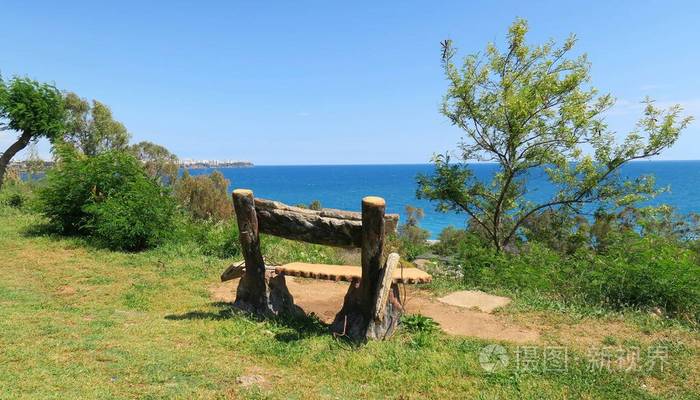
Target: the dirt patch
(475, 299)
(66, 290)
(325, 298)
(250, 380)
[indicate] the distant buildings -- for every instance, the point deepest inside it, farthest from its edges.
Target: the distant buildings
(194, 164)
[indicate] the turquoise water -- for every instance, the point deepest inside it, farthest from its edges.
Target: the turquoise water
(343, 186)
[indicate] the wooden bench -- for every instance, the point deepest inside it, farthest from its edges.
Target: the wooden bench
(372, 306)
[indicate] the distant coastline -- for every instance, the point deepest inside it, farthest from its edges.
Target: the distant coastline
(189, 164)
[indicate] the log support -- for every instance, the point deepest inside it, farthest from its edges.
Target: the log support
(258, 293)
(371, 309)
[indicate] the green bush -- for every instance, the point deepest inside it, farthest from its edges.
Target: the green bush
(137, 217)
(634, 272)
(109, 197)
(78, 181)
(12, 196)
(221, 240)
(646, 272)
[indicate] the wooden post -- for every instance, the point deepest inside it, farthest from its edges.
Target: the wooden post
(257, 293)
(372, 248)
(356, 320)
(252, 290)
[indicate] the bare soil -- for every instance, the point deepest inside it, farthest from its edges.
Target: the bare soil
(325, 298)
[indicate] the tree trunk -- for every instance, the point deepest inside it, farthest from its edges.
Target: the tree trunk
(5, 158)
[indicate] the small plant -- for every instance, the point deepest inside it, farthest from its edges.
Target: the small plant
(417, 323)
(315, 205)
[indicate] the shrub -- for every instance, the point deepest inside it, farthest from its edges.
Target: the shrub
(221, 240)
(645, 272)
(205, 196)
(634, 272)
(315, 205)
(411, 237)
(109, 197)
(138, 217)
(78, 181)
(15, 195)
(450, 240)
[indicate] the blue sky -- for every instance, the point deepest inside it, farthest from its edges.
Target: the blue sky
(328, 82)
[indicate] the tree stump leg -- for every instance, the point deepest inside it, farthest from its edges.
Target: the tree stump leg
(393, 310)
(281, 300)
(257, 293)
(353, 323)
(369, 312)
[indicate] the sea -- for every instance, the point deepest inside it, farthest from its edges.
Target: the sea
(344, 186)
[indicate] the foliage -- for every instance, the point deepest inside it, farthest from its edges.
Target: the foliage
(634, 271)
(561, 231)
(159, 161)
(205, 196)
(108, 197)
(531, 109)
(136, 217)
(419, 323)
(32, 109)
(315, 205)
(449, 240)
(78, 181)
(412, 238)
(91, 128)
(15, 194)
(212, 238)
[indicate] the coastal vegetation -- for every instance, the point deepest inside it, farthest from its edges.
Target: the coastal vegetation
(531, 108)
(108, 259)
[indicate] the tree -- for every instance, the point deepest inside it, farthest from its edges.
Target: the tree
(205, 196)
(91, 128)
(33, 110)
(159, 161)
(529, 109)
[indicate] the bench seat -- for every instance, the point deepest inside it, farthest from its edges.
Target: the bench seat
(348, 273)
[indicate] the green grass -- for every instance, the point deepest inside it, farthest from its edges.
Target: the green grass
(79, 322)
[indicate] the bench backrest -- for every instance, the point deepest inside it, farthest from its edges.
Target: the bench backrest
(327, 226)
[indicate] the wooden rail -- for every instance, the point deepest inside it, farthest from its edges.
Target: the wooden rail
(327, 226)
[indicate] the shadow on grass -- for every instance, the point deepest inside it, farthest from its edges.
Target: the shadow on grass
(293, 328)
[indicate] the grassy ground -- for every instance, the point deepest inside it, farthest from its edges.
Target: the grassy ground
(81, 322)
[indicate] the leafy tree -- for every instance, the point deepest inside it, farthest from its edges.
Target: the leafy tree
(91, 128)
(33, 110)
(159, 161)
(529, 109)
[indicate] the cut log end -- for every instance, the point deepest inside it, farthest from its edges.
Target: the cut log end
(243, 192)
(374, 201)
